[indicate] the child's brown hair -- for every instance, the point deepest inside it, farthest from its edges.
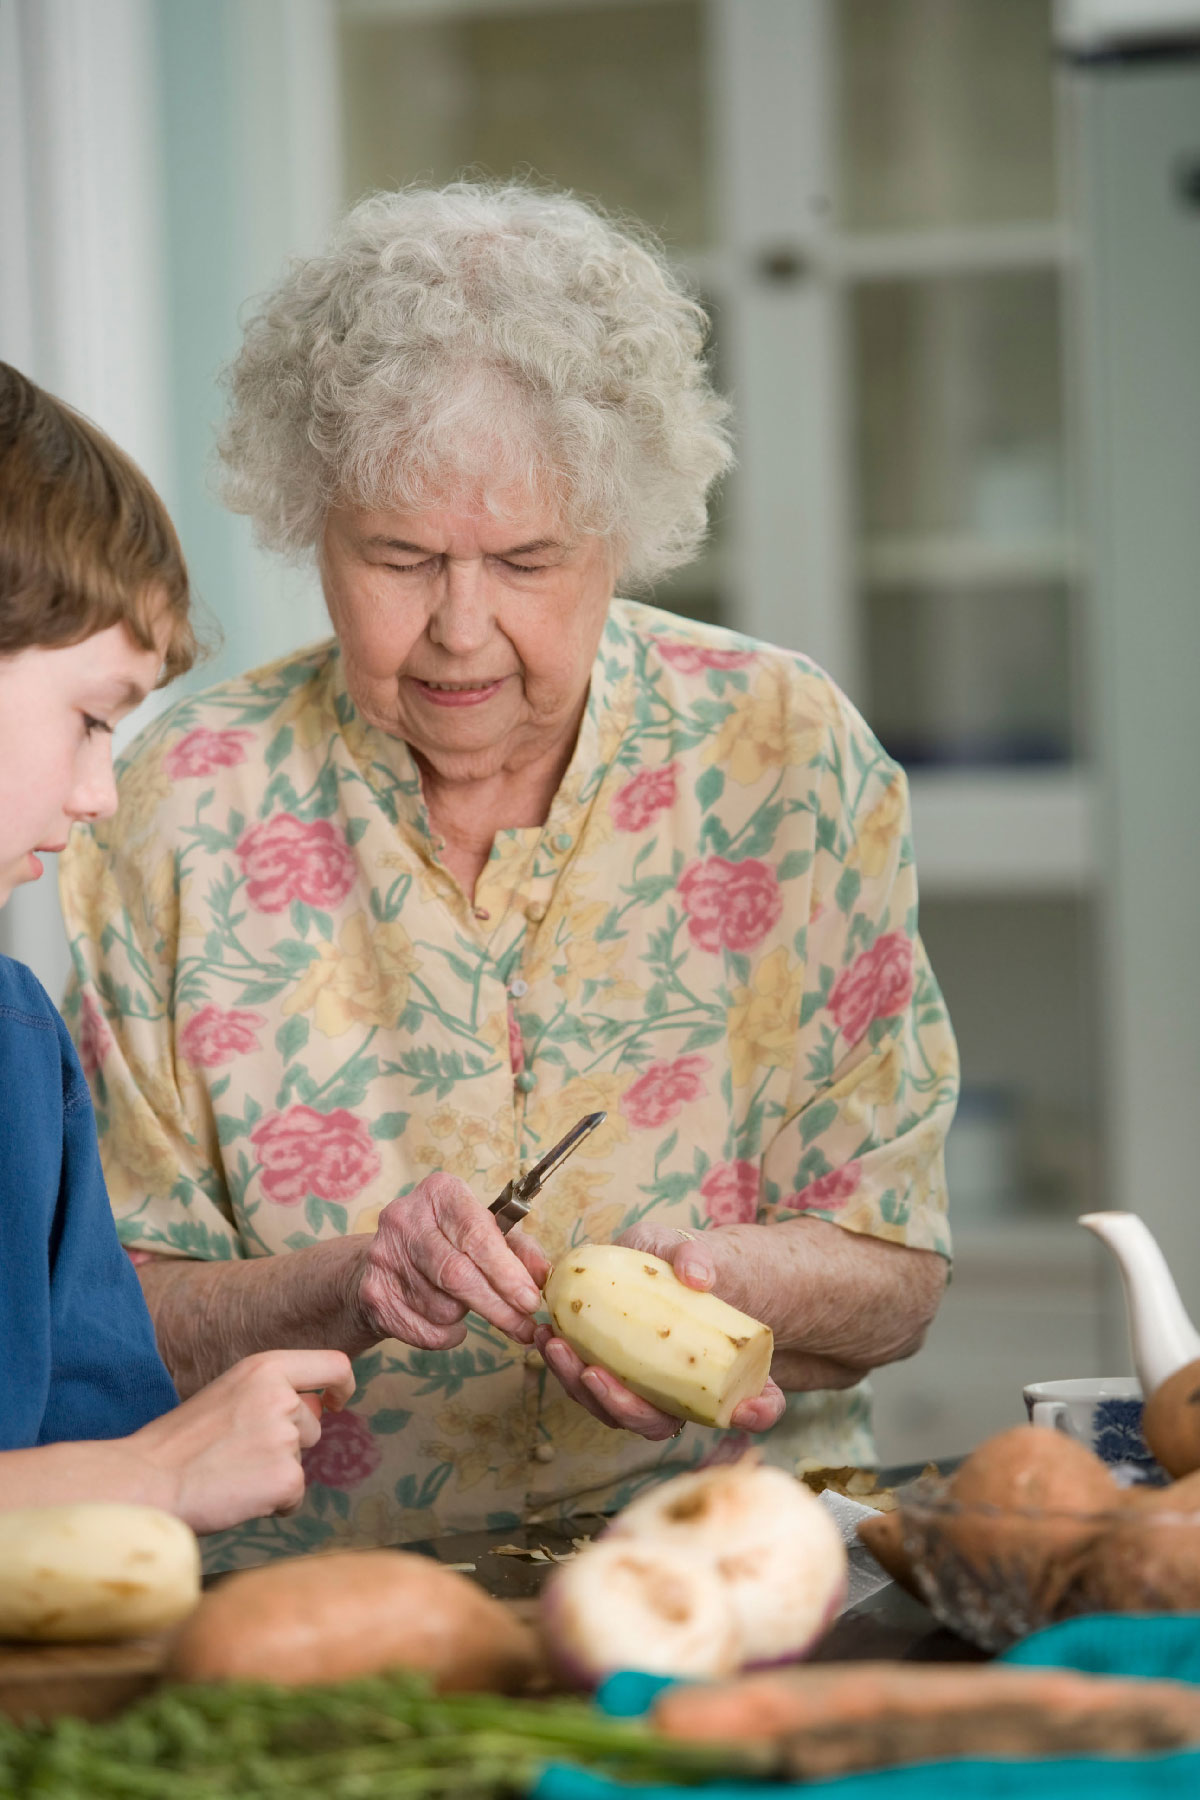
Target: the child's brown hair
(85, 541)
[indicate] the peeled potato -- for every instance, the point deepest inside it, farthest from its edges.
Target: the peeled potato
(1051, 1498)
(355, 1612)
(1171, 1421)
(687, 1352)
(95, 1571)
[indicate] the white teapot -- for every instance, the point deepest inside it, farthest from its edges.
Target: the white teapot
(1161, 1334)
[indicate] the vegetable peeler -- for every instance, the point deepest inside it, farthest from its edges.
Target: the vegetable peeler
(511, 1206)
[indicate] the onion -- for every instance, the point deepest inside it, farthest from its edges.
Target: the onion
(624, 1604)
(768, 1537)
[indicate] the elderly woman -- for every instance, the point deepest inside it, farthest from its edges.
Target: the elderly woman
(377, 924)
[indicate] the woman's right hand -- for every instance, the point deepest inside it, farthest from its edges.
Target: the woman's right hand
(232, 1452)
(438, 1254)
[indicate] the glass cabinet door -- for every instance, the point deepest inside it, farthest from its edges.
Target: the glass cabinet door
(610, 100)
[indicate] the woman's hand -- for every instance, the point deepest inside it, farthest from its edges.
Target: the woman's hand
(439, 1254)
(699, 1264)
(232, 1452)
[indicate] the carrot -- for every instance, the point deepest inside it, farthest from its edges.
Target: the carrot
(834, 1720)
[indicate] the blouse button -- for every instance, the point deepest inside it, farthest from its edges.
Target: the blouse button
(543, 1453)
(518, 988)
(563, 841)
(481, 912)
(526, 1082)
(536, 910)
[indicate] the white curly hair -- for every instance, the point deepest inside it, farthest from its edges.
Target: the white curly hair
(480, 338)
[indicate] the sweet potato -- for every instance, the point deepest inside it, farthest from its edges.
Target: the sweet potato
(883, 1535)
(1026, 1506)
(830, 1721)
(355, 1612)
(1171, 1421)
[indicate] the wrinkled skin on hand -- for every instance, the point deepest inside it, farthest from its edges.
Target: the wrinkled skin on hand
(438, 1254)
(705, 1263)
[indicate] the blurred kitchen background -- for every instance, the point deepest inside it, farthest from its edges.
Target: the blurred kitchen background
(952, 252)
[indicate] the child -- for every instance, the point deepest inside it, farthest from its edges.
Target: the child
(93, 614)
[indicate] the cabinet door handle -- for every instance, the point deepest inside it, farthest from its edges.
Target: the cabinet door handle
(783, 264)
(1187, 180)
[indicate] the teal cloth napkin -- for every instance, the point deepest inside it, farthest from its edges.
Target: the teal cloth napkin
(1162, 1645)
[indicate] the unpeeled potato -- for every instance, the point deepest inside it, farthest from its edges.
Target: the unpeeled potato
(1149, 1559)
(1171, 1421)
(883, 1535)
(355, 1612)
(1027, 1505)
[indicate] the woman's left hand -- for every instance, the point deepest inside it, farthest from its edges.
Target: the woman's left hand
(698, 1262)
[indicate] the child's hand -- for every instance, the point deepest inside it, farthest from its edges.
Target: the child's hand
(232, 1452)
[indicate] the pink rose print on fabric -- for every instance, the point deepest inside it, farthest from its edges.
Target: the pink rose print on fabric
(643, 797)
(95, 1038)
(664, 1090)
(730, 1193)
(690, 659)
(827, 1194)
(345, 1453)
(213, 1036)
(285, 859)
(729, 905)
(877, 984)
(303, 1152)
(516, 1046)
(203, 752)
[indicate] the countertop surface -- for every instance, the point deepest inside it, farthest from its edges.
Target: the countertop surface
(514, 1563)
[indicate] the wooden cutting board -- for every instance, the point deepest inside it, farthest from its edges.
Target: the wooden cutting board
(94, 1681)
(90, 1681)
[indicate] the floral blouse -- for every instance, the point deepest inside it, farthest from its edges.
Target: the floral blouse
(290, 1012)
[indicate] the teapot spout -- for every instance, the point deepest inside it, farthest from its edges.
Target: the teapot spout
(1161, 1334)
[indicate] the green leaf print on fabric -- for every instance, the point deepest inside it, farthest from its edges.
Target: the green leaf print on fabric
(390, 1125)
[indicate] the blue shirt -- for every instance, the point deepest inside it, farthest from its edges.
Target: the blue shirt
(77, 1352)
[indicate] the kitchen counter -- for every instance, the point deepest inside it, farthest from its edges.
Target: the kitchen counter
(888, 1623)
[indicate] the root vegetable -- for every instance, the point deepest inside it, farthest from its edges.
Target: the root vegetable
(1025, 1506)
(832, 1721)
(883, 1535)
(626, 1604)
(1171, 1421)
(689, 1353)
(355, 1612)
(95, 1571)
(771, 1541)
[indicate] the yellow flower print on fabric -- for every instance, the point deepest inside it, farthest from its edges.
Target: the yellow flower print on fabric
(878, 833)
(489, 1442)
(762, 733)
(362, 980)
(551, 1118)
(572, 1208)
(87, 884)
(145, 784)
(149, 1164)
(309, 723)
(763, 1017)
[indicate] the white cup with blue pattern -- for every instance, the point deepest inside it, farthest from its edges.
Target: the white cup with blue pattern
(1103, 1412)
